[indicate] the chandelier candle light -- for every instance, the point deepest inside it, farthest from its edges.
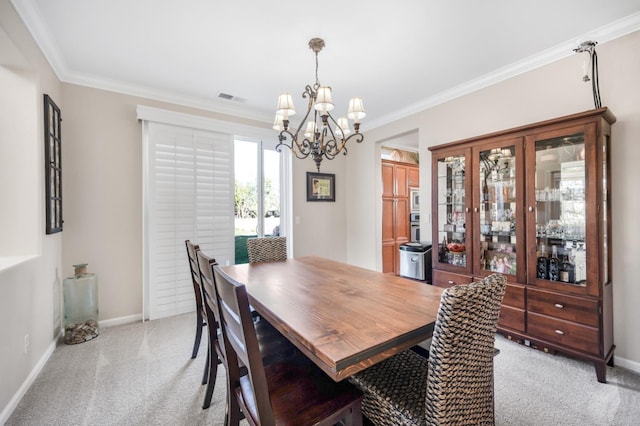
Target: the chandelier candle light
(323, 137)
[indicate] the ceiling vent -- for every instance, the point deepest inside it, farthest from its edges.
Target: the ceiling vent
(229, 97)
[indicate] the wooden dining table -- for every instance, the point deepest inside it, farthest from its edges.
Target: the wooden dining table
(342, 317)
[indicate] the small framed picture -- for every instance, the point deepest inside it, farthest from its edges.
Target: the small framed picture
(321, 187)
(415, 199)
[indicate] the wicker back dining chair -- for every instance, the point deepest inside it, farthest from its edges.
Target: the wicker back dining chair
(267, 249)
(291, 392)
(454, 385)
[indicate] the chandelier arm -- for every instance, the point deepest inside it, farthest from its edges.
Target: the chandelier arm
(334, 139)
(358, 137)
(303, 150)
(331, 147)
(308, 92)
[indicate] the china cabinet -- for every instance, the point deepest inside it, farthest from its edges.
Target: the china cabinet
(532, 203)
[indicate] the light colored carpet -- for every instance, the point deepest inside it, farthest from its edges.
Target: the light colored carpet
(537, 388)
(137, 374)
(141, 374)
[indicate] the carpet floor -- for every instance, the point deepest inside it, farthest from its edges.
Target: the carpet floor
(142, 374)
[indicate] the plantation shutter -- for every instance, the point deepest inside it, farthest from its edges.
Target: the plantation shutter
(189, 196)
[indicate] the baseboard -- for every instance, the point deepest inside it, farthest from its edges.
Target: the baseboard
(11, 406)
(120, 321)
(625, 363)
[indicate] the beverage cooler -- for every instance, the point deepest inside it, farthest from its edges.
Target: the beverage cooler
(415, 261)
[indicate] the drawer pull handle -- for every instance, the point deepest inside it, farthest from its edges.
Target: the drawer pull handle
(451, 282)
(559, 332)
(559, 306)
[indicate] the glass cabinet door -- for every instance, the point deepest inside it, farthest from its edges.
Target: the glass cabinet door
(498, 227)
(451, 220)
(561, 210)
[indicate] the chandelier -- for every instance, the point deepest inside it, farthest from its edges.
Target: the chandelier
(323, 136)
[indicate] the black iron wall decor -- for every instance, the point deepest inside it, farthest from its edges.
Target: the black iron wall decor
(53, 165)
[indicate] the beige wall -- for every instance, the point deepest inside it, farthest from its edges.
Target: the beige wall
(550, 91)
(102, 189)
(29, 290)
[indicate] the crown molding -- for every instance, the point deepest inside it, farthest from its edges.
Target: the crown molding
(227, 107)
(35, 24)
(602, 35)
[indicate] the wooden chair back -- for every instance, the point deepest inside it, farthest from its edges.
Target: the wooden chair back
(210, 303)
(289, 391)
(240, 344)
(215, 354)
(192, 249)
(267, 249)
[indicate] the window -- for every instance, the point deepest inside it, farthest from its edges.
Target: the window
(258, 203)
(188, 191)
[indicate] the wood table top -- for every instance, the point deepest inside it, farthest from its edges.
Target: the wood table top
(344, 318)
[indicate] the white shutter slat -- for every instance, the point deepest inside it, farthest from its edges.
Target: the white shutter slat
(190, 196)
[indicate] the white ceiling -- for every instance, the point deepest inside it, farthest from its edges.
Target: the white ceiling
(399, 56)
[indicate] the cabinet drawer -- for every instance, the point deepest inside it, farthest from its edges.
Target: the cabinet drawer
(511, 318)
(514, 296)
(577, 309)
(449, 279)
(565, 333)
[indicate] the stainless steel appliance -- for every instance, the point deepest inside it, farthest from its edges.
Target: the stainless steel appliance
(414, 221)
(415, 261)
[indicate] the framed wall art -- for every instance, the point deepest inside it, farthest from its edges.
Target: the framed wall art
(52, 165)
(321, 186)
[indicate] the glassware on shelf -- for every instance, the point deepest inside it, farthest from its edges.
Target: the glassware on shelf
(555, 228)
(451, 216)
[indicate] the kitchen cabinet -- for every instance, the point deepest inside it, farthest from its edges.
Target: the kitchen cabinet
(532, 203)
(395, 211)
(413, 177)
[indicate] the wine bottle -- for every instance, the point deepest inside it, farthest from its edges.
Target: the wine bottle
(554, 265)
(443, 250)
(580, 261)
(543, 264)
(567, 270)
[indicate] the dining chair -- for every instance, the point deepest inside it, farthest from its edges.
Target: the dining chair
(192, 249)
(267, 249)
(291, 392)
(273, 345)
(454, 385)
